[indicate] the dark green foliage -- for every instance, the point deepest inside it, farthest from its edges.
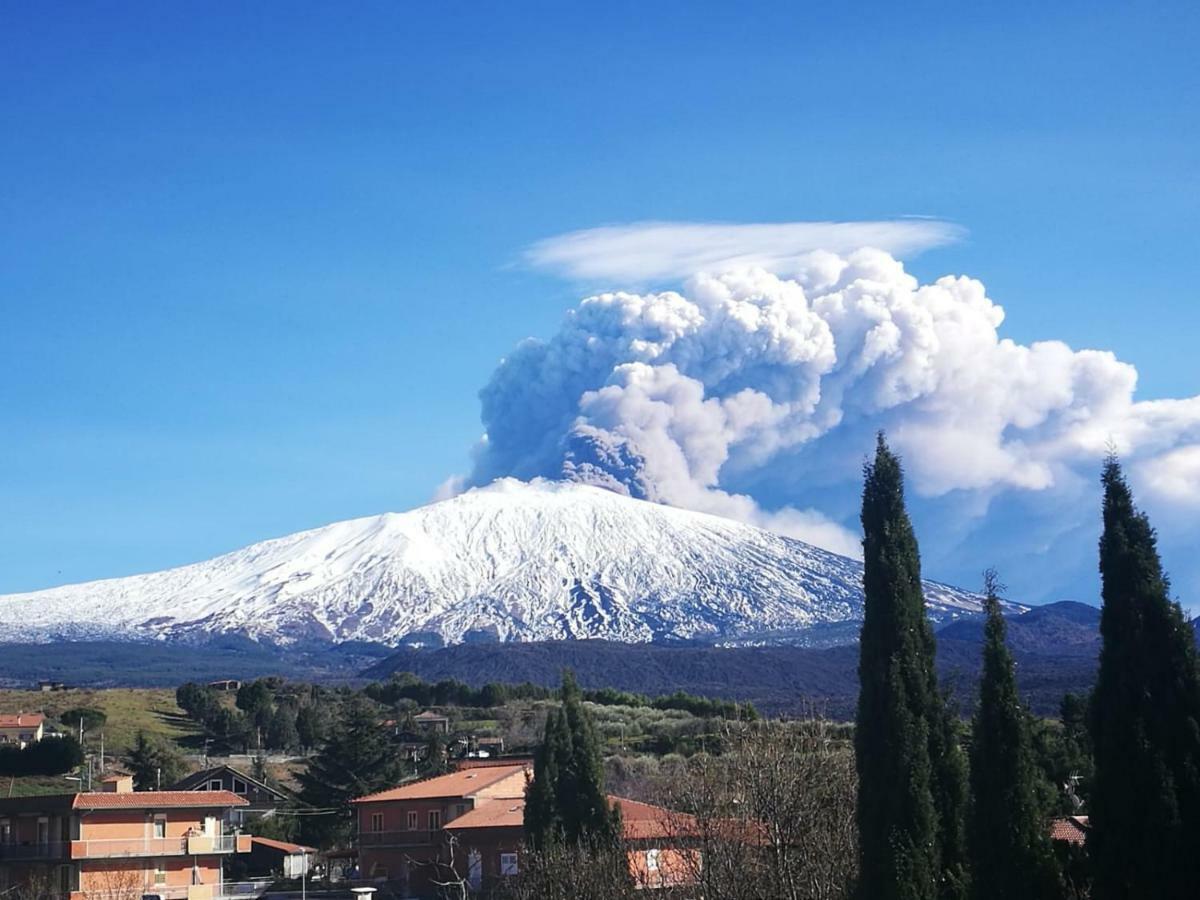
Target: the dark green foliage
(1063, 754)
(254, 696)
(90, 717)
(1145, 718)
(1010, 849)
(357, 759)
(450, 692)
(565, 800)
(437, 760)
(199, 702)
(49, 756)
(311, 726)
(910, 766)
(282, 733)
(154, 762)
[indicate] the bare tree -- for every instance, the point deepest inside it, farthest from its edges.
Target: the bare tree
(773, 815)
(567, 872)
(118, 884)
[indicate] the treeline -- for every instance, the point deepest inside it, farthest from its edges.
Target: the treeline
(452, 692)
(54, 755)
(266, 714)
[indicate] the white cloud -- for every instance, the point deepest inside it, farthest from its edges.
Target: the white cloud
(755, 395)
(656, 251)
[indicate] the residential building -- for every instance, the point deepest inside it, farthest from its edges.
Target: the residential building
(400, 831)
(261, 799)
(22, 729)
(470, 824)
(119, 843)
(225, 684)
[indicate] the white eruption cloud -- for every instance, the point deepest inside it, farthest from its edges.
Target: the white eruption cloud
(754, 395)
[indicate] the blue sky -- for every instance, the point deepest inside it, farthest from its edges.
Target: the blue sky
(256, 263)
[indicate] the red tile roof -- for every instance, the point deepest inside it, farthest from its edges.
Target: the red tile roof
(282, 845)
(22, 720)
(158, 800)
(639, 821)
(493, 814)
(456, 784)
(1072, 829)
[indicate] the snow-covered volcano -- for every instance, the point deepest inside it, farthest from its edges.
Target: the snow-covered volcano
(516, 561)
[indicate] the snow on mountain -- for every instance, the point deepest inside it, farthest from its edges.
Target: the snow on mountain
(515, 561)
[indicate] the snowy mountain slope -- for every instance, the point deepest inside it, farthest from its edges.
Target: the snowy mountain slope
(518, 561)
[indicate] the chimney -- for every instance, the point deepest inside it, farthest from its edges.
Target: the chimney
(117, 784)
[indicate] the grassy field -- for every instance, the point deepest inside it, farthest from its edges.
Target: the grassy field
(129, 711)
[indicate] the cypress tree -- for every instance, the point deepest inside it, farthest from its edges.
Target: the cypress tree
(565, 800)
(1010, 849)
(1145, 718)
(910, 767)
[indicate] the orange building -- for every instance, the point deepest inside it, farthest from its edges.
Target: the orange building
(118, 844)
(469, 824)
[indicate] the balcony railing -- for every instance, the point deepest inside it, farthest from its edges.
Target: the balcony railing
(398, 838)
(13, 852)
(221, 843)
(111, 848)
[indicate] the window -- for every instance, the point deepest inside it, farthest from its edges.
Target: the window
(652, 859)
(5, 831)
(508, 864)
(160, 871)
(160, 827)
(377, 821)
(412, 821)
(460, 809)
(435, 819)
(239, 786)
(214, 784)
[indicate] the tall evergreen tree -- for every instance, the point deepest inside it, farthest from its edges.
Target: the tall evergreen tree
(358, 759)
(910, 766)
(1145, 718)
(1010, 849)
(566, 800)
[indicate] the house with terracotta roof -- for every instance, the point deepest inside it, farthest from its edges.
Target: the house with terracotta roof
(401, 840)
(119, 843)
(1070, 829)
(470, 824)
(22, 729)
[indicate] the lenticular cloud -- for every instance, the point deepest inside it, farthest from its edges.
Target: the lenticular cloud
(754, 396)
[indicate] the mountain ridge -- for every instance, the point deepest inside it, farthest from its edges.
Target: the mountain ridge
(516, 561)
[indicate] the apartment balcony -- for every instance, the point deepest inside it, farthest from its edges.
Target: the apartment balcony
(192, 845)
(33, 852)
(203, 844)
(122, 848)
(381, 839)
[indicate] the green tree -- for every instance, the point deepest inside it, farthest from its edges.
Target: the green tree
(566, 798)
(357, 759)
(311, 726)
(1145, 717)
(1010, 849)
(254, 696)
(910, 765)
(282, 733)
(153, 762)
